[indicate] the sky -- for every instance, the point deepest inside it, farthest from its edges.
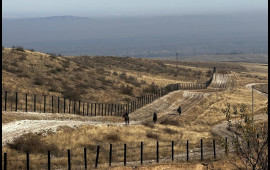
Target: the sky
(104, 8)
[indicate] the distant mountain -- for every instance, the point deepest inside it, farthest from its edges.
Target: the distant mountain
(137, 36)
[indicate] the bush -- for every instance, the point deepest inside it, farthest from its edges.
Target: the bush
(152, 88)
(152, 135)
(31, 143)
(112, 137)
(170, 122)
(123, 76)
(170, 131)
(127, 90)
(18, 48)
(39, 81)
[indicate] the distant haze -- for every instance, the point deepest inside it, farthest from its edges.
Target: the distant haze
(141, 36)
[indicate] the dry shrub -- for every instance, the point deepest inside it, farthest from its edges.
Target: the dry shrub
(112, 137)
(152, 135)
(31, 143)
(170, 131)
(148, 124)
(128, 90)
(170, 122)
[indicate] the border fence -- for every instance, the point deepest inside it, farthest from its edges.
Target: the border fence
(120, 154)
(16, 101)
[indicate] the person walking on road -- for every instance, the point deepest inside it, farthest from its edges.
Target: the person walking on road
(155, 117)
(179, 110)
(125, 116)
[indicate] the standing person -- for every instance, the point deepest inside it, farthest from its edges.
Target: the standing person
(179, 110)
(155, 117)
(125, 116)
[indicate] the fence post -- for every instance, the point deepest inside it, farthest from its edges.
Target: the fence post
(172, 150)
(85, 158)
(52, 105)
(25, 102)
(35, 101)
(79, 107)
(91, 108)
(74, 109)
(64, 105)
(226, 146)
(69, 105)
(125, 154)
(87, 109)
(16, 101)
(110, 155)
(95, 109)
(83, 109)
(49, 160)
(5, 161)
(214, 148)
(201, 149)
(58, 104)
(187, 150)
(99, 109)
(44, 104)
(6, 100)
(97, 156)
(27, 161)
(157, 153)
(141, 153)
(102, 109)
(69, 162)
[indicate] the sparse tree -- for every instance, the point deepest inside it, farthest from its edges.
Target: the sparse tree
(250, 143)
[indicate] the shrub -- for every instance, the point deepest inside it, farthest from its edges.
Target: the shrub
(18, 48)
(115, 73)
(112, 137)
(152, 88)
(39, 81)
(170, 122)
(152, 135)
(127, 89)
(123, 76)
(170, 131)
(31, 143)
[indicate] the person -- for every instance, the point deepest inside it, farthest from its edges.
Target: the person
(179, 110)
(155, 117)
(125, 116)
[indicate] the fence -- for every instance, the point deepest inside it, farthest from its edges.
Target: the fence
(16, 101)
(120, 154)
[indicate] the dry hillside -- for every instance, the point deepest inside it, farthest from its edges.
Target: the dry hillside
(91, 78)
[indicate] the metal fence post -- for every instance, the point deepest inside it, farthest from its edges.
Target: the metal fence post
(201, 149)
(214, 148)
(5, 161)
(85, 158)
(141, 153)
(110, 155)
(6, 100)
(69, 161)
(27, 161)
(187, 150)
(157, 153)
(172, 151)
(49, 160)
(125, 154)
(96, 164)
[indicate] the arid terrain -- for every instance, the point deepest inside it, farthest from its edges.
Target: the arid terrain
(102, 79)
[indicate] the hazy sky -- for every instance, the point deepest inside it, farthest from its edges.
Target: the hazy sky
(43, 8)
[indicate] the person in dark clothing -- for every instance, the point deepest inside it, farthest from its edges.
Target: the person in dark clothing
(179, 110)
(125, 116)
(155, 117)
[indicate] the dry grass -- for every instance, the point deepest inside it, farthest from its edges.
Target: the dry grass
(95, 79)
(195, 124)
